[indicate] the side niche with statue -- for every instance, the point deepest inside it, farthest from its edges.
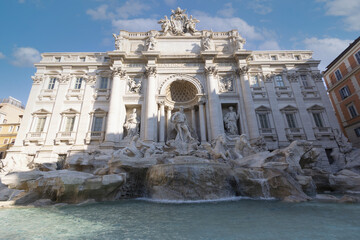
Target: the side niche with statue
(132, 124)
(231, 119)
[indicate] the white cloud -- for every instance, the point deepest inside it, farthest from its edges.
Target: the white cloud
(130, 8)
(136, 25)
(269, 45)
(2, 55)
(227, 11)
(349, 9)
(260, 6)
(326, 49)
(25, 57)
(170, 2)
(99, 13)
(226, 24)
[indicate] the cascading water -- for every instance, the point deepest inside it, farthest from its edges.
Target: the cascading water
(258, 176)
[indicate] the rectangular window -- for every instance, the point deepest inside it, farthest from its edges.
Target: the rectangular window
(13, 141)
(104, 83)
(264, 120)
(11, 128)
(297, 57)
(0, 128)
(57, 59)
(40, 124)
(273, 57)
(279, 81)
(78, 83)
(357, 56)
(82, 59)
(338, 75)
(69, 127)
(17, 128)
(6, 141)
(318, 120)
(352, 110)
(344, 92)
(357, 131)
(52, 83)
(97, 124)
(254, 81)
(290, 118)
(106, 59)
(304, 81)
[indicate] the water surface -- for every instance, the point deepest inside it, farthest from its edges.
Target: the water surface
(138, 219)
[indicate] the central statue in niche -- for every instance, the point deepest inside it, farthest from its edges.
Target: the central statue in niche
(181, 126)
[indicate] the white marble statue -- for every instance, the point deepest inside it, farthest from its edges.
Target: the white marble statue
(166, 24)
(118, 39)
(230, 120)
(239, 43)
(150, 43)
(181, 126)
(132, 124)
(207, 42)
(190, 24)
(243, 147)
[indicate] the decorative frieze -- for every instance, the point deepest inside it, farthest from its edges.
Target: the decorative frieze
(226, 84)
(134, 87)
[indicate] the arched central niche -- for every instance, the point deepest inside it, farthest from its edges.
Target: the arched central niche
(181, 91)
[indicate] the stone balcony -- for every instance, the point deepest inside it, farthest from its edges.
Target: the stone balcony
(309, 91)
(67, 137)
(323, 132)
(258, 92)
(284, 91)
(268, 133)
(295, 134)
(94, 136)
(102, 93)
(48, 93)
(35, 137)
(75, 93)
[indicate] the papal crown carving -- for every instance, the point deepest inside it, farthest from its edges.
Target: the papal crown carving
(179, 23)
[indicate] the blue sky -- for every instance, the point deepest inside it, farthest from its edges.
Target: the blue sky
(30, 27)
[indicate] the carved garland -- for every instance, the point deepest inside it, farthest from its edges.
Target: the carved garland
(118, 72)
(37, 79)
(211, 70)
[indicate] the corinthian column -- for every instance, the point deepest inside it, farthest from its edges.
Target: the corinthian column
(249, 104)
(116, 114)
(150, 122)
(215, 114)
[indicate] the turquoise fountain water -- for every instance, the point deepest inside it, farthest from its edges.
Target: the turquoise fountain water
(139, 219)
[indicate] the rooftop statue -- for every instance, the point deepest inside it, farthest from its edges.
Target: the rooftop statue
(179, 23)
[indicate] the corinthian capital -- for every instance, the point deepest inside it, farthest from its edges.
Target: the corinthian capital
(118, 71)
(317, 77)
(37, 79)
(242, 70)
(211, 70)
(90, 79)
(150, 71)
(63, 79)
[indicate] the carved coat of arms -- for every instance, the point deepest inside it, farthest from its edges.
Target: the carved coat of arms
(179, 23)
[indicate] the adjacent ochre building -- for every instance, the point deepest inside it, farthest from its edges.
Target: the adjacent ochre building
(81, 101)
(11, 113)
(342, 78)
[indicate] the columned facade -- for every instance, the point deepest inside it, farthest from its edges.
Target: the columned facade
(102, 100)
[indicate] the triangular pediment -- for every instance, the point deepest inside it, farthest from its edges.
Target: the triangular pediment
(316, 108)
(70, 111)
(263, 108)
(288, 108)
(41, 111)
